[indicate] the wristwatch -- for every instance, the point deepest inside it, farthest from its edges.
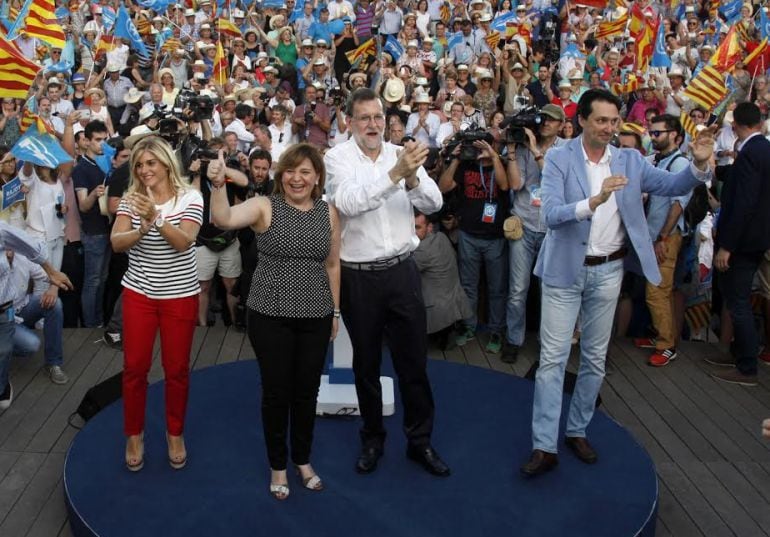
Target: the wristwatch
(159, 222)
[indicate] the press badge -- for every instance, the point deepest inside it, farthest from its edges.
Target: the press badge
(490, 210)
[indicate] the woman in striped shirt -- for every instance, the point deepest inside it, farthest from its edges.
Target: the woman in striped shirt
(157, 223)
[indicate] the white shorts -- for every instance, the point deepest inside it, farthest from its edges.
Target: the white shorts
(228, 261)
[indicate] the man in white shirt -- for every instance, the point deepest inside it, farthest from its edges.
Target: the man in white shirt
(341, 8)
(241, 126)
(423, 125)
(375, 186)
(452, 125)
(592, 205)
(61, 107)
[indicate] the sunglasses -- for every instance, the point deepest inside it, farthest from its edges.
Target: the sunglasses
(655, 134)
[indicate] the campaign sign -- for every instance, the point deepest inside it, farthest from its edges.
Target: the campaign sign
(12, 193)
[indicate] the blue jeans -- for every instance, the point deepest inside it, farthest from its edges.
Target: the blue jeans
(521, 256)
(26, 340)
(472, 252)
(7, 329)
(96, 258)
(594, 297)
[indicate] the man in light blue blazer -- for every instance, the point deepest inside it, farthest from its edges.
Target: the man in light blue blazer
(592, 205)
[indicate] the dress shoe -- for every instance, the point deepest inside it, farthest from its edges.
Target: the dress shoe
(540, 462)
(581, 448)
(429, 460)
(367, 460)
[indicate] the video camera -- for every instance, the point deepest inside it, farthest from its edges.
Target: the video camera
(336, 97)
(465, 139)
(514, 125)
(200, 106)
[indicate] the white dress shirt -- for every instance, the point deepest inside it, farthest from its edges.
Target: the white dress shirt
(420, 134)
(337, 10)
(245, 138)
(376, 215)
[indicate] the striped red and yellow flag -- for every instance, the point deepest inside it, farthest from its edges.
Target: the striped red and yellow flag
(754, 54)
(17, 73)
(630, 85)
(708, 88)
(171, 44)
(143, 25)
(105, 44)
(28, 117)
(367, 48)
(445, 12)
(226, 27)
(744, 34)
(645, 44)
(611, 28)
(41, 22)
(492, 39)
(219, 75)
(513, 29)
(688, 124)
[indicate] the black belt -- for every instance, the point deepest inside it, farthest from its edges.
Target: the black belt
(381, 264)
(593, 260)
(5, 307)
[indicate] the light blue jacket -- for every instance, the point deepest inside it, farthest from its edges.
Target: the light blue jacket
(565, 183)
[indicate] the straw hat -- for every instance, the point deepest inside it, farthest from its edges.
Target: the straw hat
(133, 96)
(422, 98)
(394, 90)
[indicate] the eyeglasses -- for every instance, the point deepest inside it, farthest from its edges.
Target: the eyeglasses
(655, 134)
(364, 120)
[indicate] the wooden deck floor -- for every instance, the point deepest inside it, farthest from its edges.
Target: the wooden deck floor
(704, 436)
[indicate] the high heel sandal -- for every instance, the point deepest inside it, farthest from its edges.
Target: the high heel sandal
(279, 491)
(313, 482)
(177, 462)
(134, 464)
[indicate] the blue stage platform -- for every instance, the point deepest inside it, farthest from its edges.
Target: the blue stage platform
(482, 431)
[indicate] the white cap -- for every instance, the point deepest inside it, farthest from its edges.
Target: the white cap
(189, 12)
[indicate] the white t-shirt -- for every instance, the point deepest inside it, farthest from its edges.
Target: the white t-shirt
(42, 198)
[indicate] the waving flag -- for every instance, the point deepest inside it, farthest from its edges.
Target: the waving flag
(764, 23)
(299, 8)
(729, 52)
(17, 25)
(158, 6)
(445, 12)
(219, 75)
(171, 44)
(394, 48)
(731, 11)
(367, 48)
(104, 161)
(60, 67)
(630, 85)
(17, 73)
(40, 148)
(162, 37)
(274, 4)
(660, 57)
(757, 60)
(611, 28)
(572, 51)
(125, 29)
(637, 20)
(108, 17)
(28, 114)
(645, 45)
(498, 23)
(37, 18)
(708, 88)
(513, 29)
(453, 39)
(688, 125)
(105, 44)
(226, 27)
(492, 39)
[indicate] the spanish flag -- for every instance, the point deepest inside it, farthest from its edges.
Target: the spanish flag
(631, 84)
(729, 52)
(219, 74)
(612, 28)
(17, 73)
(645, 45)
(367, 48)
(226, 27)
(105, 44)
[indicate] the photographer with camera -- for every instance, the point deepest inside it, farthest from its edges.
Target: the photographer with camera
(477, 174)
(311, 120)
(525, 157)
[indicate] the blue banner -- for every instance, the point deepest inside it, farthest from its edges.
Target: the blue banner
(731, 11)
(394, 48)
(42, 149)
(158, 6)
(299, 9)
(104, 161)
(453, 39)
(108, 17)
(12, 193)
(498, 23)
(660, 57)
(572, 51)
(125, 29)
(764, 24)
(272, 4)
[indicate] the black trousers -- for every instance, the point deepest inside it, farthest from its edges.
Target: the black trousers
(291, 355)
(72, 266)
(388, 304)
(735, 284)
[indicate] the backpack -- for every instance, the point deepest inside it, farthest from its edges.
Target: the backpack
(697, 207)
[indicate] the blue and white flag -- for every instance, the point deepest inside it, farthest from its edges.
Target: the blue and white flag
(104, 161)
(572, 51)
(12, 193)
(125, 29)
(453, 39)
(40, 148)
(158, 6)
(660, 57)
(394, 48)
(59, 67)
(272, 4)
(162, 37)
(299, 9)
(498, 23)
(18, 25)
(108, 17)
(764, 24)
(731, 11)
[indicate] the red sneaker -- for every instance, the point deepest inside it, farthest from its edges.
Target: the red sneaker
(661, 358)
(644, 342)
(765, 357)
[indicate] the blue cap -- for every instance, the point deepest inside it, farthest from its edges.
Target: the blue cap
(347, 20)
(77, 78)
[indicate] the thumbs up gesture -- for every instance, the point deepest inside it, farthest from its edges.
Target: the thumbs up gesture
(216, 171)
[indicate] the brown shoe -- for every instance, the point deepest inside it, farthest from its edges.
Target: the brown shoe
(581, 448)
(733, 376)
(539, 462)
(721, 360)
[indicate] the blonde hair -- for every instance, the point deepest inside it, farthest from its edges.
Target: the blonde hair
(165, 155)
(291, 158)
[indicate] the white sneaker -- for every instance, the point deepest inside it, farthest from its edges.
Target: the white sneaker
(57, 374)
(6, 398)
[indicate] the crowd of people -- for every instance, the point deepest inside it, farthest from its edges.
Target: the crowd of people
(289, 165)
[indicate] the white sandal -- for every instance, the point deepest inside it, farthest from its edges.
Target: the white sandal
(279, 492)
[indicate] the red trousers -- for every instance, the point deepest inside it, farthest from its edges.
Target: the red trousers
(142, 316)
